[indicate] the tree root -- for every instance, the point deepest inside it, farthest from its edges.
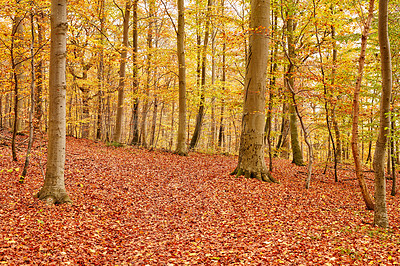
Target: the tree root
(181, 153)
(262, 176)
(53, 198)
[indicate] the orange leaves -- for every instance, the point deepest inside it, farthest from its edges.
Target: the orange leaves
(142, 207)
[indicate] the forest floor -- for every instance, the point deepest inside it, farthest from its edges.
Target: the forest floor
(132, 206)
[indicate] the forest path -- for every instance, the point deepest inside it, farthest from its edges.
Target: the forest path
(143, 207)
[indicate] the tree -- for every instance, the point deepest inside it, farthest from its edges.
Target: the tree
(122, 71)
(135, 75)
(356, 105)
(200, 114)
(251, 152)
(32, 99)
(380, 212)
(290, 82)
(149, 76)
(17, 70)
(100, 70)
(181, 148)
(53, 190)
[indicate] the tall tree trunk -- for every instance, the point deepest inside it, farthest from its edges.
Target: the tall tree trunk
(135, 76)
(393, 155)
(222, 111)
(180, 43)
(283, 142)
(154, 121)
(32, 100)
(1, 111)
(272, 84)
(213, 70)
(85, 106)
(380, 212)
(223, 81)
(39, 73)
(251, 152)
(294, 135)
(145, 106)
(356, 106)
(306, 139)
(159, 124)
(338, 155)
(326, 101)
(171, 136)
(100, 72)
(200, 113)
(53, 190)
(16, 61)
(122, 71)
(8, 109)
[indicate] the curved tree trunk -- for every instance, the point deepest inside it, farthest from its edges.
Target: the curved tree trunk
(356, 106)
(380, 214)
(251, 152)
(53, 190)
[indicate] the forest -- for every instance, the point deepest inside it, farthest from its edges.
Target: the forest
(215, 132)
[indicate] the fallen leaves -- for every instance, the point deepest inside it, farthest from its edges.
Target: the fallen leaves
(140, 207)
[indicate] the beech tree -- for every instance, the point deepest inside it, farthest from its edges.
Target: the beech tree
(251, 152)
(181, 148)
(290, 83)
(200, 114)
(380, 212)
(53, 190)
(122, 71)
(17, 70)
(356, 105)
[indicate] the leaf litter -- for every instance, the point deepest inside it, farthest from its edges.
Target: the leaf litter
(134, 206)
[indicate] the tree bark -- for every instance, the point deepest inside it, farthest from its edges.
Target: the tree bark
(135, 76)
(181, 148)
(53, 190)
(251, 152)
(154, 121)
(290, 83)
(326, 101)
(100, 72)
(393, 154)
(32, 107)
(16, 61)
(200, 113)
(356, 106)
(338, 155)
(380, 212)
(122, 71)
(223, 81)
(222, 111)
(39, 73)
(145, 105)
